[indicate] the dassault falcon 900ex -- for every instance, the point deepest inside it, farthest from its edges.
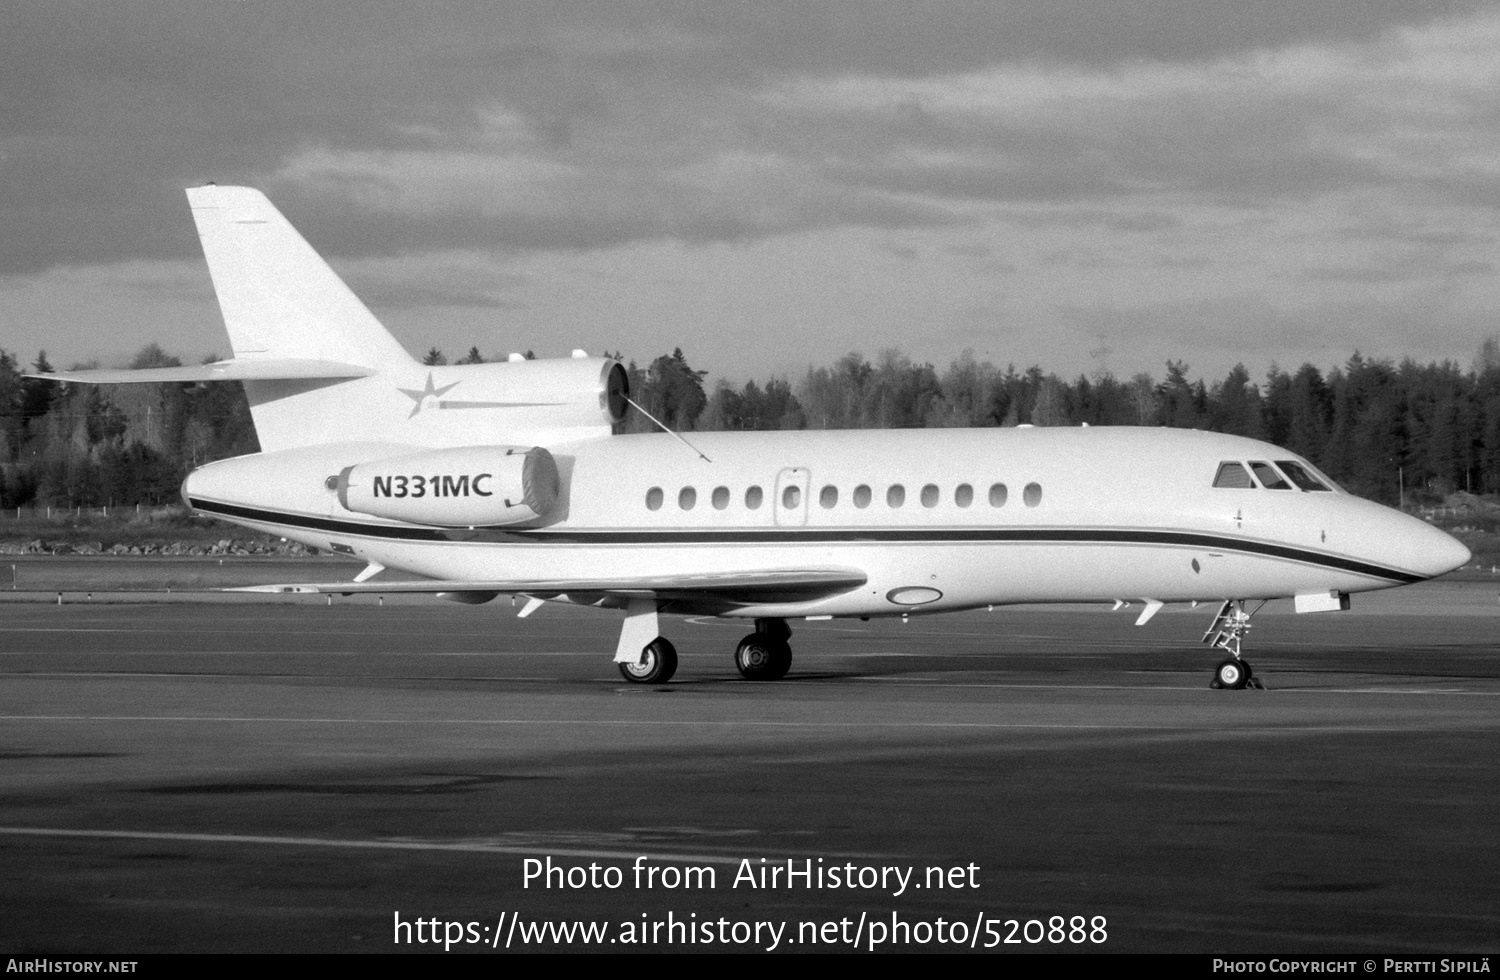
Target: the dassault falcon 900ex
(506, 478)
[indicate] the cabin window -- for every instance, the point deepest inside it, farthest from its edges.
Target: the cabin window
(829, 498)
(997, 495)
(688, 498)
(964, 495)
(1301, 476)
(1268, 477)
(653, 498)
(895, 496)
(721, 498)
(861, 496)
(753, 497)
(1032, 495)
(930, 494)
(791, 497)
(1232, 476)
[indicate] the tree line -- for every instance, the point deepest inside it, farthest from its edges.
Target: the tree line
(90, 445)
(1382, 429)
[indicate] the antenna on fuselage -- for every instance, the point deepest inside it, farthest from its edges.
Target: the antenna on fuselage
(668, 431)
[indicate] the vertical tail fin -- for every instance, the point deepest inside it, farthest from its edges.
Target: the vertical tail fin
(320, 370)
(278, 297)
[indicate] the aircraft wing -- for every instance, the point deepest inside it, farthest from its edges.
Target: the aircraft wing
(771, 585)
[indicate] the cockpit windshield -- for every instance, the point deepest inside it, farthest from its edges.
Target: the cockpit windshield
(1233, 476)
(1286, 474)
(1268, 477)
(1300, 476)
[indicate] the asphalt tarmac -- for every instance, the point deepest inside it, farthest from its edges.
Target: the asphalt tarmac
(178, 774)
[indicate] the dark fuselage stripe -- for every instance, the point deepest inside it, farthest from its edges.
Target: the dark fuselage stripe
(1020, 535)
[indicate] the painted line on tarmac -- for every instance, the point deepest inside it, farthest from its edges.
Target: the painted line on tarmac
(176, 633)
(465, 847)
(909, 682)
(218, 654)
(245, 676)
(736, 725)
(588, 722)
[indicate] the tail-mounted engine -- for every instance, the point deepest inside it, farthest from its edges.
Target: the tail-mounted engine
(530, 394)
(467, 487)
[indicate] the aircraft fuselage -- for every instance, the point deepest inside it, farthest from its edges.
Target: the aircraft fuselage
(934, 519)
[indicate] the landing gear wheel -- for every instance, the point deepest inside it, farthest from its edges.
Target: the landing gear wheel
(783, 662)
(761, 657)
(1232, 675)
(657, 664)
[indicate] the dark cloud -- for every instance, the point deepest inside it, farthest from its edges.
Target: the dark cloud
(590, 209)
(1087, 217)
(916, 39)
(1144, 222)
(112, 108)
(998, 180)
(1413, 269)
(1242, 147)
(380, 293)
(1182, 262)
(1388, 232)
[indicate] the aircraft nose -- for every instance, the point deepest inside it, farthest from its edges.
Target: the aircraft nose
(1428, 551)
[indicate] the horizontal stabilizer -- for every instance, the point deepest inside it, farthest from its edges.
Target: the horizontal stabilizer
(792, 584)
(240, 369)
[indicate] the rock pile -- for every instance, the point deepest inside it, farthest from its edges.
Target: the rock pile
(226, 546)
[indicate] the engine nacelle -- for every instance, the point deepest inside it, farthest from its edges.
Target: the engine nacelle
(558, 392)
(467, 487)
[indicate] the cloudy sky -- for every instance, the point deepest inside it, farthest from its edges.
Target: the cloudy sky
(1079, 184)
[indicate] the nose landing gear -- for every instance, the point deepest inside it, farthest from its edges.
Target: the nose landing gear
(1226, 633)
(1233, 675)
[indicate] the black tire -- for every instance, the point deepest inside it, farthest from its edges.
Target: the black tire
(760, 657)
(783, 660)
(657, 664)
(1232, 675)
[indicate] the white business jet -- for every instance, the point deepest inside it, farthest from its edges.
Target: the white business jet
(505, 478)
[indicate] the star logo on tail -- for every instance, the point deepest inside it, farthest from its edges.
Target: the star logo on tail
(419, 398)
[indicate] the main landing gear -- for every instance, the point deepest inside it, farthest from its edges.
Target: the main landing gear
(764, 655)
(1228, 630)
